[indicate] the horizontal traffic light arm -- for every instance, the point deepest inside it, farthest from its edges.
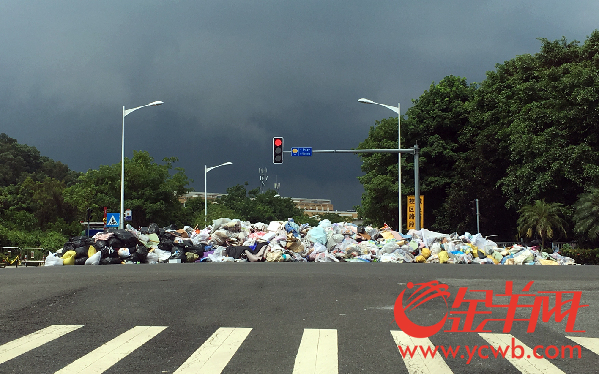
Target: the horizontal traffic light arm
(409, 150)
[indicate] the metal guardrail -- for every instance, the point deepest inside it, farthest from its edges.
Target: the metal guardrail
(17, 256)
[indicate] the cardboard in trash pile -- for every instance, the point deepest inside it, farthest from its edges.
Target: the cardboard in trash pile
(228, 240)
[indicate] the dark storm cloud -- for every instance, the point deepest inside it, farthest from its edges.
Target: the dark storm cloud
(233, 74)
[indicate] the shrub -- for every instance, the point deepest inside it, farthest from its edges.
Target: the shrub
(581, 256)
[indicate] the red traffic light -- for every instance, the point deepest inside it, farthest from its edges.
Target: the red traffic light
(277, 150)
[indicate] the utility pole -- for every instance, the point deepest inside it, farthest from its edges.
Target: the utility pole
(477, 217)
(263, 178)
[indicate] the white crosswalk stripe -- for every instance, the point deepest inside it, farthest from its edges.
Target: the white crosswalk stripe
(317, 352)
(528, 363)
(25, 344)
(102, 358)
(216, 352)
(418, 363)
(592, 344)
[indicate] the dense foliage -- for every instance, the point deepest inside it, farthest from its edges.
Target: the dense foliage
(42, 202)
(528, 132)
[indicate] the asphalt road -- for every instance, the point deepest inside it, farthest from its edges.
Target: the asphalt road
(271, 310)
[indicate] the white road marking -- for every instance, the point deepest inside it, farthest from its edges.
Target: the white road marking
(592, 344)
(216, 352)
(418, 364)
(22, 345)
(528, 364)
(105, 356)
(317, 352)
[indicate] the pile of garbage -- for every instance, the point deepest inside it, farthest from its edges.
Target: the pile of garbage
(285, 241)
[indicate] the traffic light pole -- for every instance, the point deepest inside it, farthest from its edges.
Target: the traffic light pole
(415, 151)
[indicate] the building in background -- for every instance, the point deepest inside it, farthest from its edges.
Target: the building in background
(310, 206)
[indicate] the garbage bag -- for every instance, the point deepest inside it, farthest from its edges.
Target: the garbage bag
(152, 258)
(162, 255)
(126, 237)
(124, 252)
(81, 252)
(178, 254)
(53, 260)
(91, 251)
(69, 258)
(153, 228)
(110, 261)
(94, 259)
(109, 252)
(191, 257)
(141, 253)
(317, 235)
(81, 241)
(236, 252)
(80, 261)
(443, 257)
(165, 244)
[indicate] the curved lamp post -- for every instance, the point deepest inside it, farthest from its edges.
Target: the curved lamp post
(206, 170)
(125, 112)
(396, 110)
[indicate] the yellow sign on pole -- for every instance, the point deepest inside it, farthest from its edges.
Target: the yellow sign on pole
(412, 212)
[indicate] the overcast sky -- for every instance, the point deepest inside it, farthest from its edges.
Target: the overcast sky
(233, 74)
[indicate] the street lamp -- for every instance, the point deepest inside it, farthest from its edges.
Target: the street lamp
(206, 170)
(125, 112)
(396, 110)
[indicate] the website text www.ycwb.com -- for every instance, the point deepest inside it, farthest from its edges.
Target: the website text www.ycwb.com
(488, 351)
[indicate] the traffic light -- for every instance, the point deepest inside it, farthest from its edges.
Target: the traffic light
(277, 150)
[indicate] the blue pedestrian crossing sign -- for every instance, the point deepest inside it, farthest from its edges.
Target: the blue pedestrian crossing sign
(301, 151)
(112, 219)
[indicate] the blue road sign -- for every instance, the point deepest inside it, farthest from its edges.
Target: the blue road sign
(301, 151)
(112, 219)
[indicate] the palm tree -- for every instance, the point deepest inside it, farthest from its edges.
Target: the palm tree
(586, 214)
(542, 219)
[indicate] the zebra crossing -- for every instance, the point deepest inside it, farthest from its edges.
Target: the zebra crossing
(318, 351)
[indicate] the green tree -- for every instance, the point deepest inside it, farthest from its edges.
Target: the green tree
(435, 123)
(152, 190)
(254, 206)
(19, 161)
(543, 107)
(586, 215)
(542, 219)
(379, 200)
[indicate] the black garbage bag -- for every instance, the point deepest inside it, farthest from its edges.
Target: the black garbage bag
(127, 238)
(144, 230)
(236, 251)
(178, 254)
(141, 252)
(110, 261)
(80, 261)
(81, 252)
(99, 244)
(81, 241)
(198, 250)
(68, 246)
(109, 252)
(153, 228)
(165, 244)
(184, 243)
(114, 242)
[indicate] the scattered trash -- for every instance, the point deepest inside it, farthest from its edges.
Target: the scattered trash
(232, 240)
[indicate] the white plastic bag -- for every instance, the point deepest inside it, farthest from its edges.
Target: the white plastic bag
(94, 259)
(163, 256)
(53, 260)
